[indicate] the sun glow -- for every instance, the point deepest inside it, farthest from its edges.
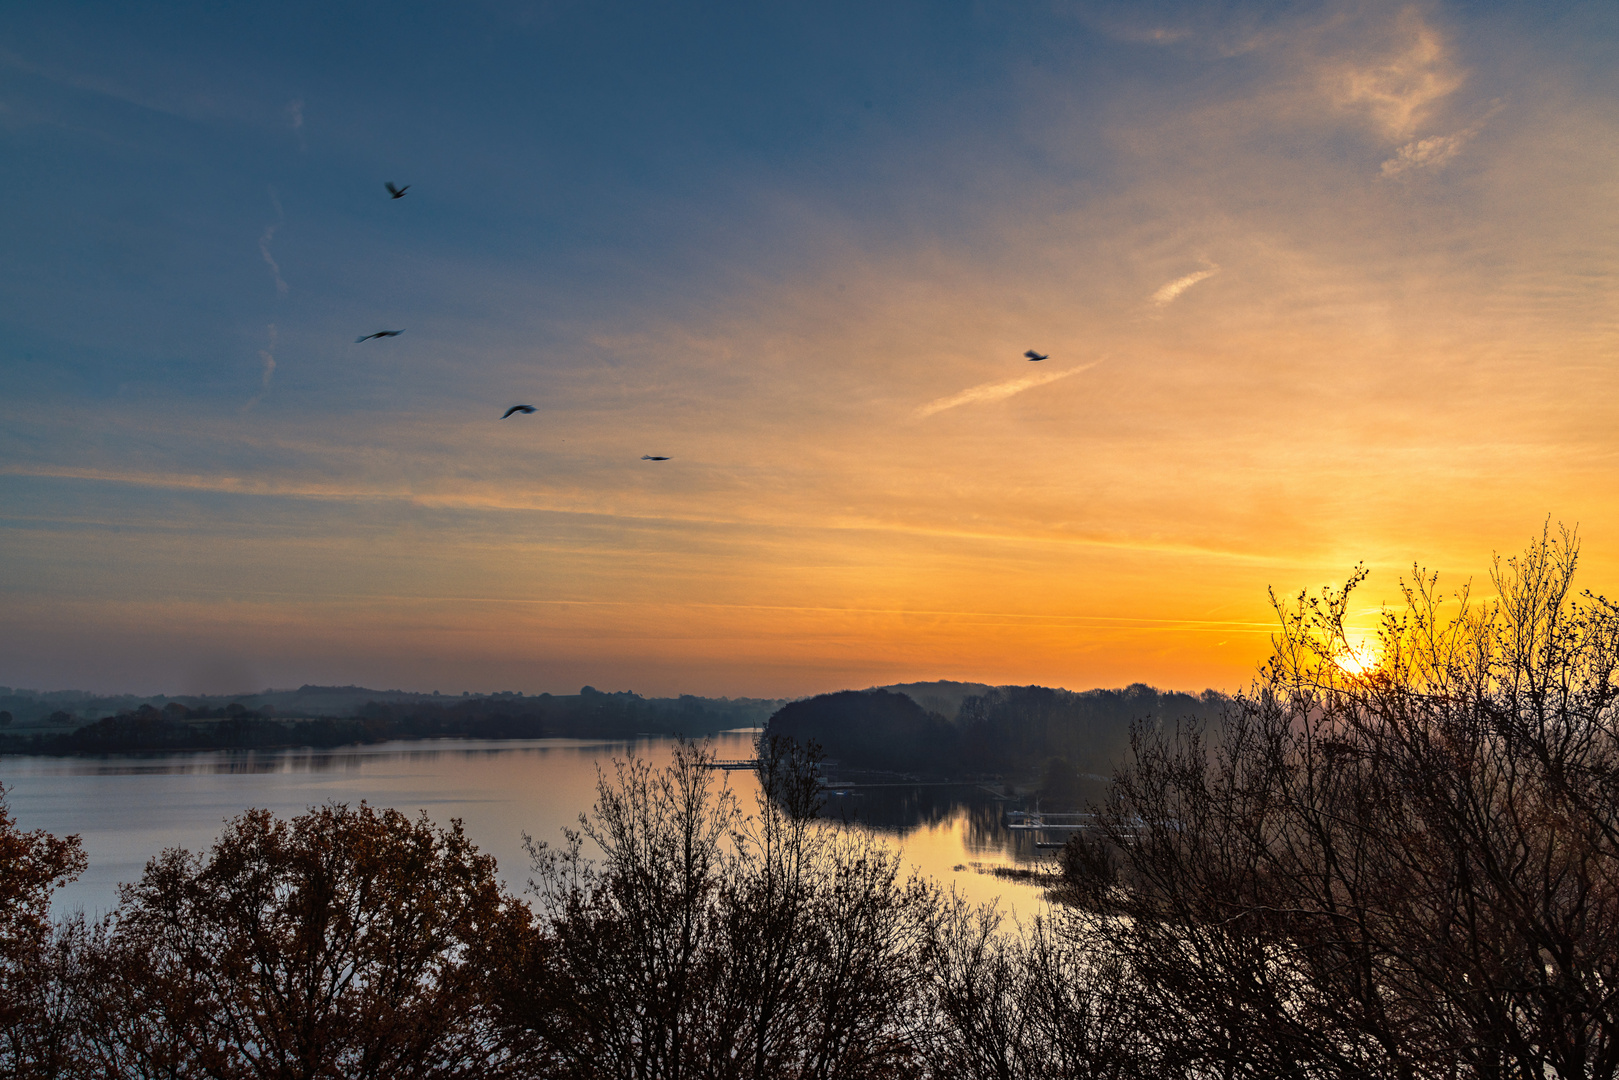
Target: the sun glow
(1358, 659)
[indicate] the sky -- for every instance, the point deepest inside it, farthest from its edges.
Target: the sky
(1320, 284)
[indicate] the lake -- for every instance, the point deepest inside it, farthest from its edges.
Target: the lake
(128, 808)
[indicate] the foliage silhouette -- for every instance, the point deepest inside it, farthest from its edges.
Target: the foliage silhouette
(1410, 870)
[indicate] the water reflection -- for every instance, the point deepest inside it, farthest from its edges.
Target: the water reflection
(128, 808)
(978, 810)
(309, 759)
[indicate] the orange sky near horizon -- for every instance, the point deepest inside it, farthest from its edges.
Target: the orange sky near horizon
(1345, 289)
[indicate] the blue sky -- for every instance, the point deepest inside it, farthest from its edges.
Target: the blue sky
(1320, 283)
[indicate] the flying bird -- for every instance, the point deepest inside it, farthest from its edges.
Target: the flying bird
(517, 408)
(653, 457)
(1032, 355)
(396, 192)
(379, 333)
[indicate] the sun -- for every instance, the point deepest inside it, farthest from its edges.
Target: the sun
(1358, 659)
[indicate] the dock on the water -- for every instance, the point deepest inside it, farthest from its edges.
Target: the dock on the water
(1035, 821)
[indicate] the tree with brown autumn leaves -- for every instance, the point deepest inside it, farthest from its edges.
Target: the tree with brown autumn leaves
(346, 942)
(35, 1010)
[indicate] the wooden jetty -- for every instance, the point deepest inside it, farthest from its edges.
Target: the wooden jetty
(1035, 821)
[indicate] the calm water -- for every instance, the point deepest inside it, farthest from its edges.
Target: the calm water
(128, 808)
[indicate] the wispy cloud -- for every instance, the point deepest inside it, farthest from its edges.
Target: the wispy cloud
(269, 260)
(264, 245)
(1429, 153)
(1398, 89)
(1155, 34)
(484, 499)
(999, 391)
(1170, 290)
(1433, 152)
(295, 117)
(266, 354)
(1199, 30)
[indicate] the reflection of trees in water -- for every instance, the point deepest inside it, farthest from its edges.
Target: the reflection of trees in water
(243, 763)
(424, 752)
(900, 809)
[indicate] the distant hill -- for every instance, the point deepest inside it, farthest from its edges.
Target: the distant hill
(941, 696)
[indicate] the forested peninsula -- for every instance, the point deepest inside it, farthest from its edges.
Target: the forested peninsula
(972, 731)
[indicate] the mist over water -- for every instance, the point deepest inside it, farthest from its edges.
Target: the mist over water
(128, 808)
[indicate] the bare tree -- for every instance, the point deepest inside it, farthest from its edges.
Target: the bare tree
(1036, 1001)
(1407, 868)
(706, 942)
(631, 931)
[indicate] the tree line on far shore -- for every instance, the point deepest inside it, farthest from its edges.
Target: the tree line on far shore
(588, 714)
(1043, 740)
(1403, 869)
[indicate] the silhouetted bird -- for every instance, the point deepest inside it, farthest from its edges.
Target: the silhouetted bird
(396, 192)
(1032, 355)
(379, 333)
(517, 408)
(653, 457)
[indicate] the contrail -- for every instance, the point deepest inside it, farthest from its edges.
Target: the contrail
(1168, 292)
(998, 391)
